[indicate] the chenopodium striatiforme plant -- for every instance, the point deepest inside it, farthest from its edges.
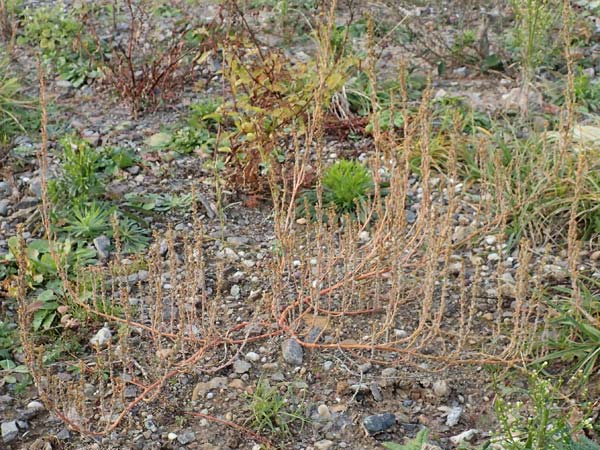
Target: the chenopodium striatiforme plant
(347, 188)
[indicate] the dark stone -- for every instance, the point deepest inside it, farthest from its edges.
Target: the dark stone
(379, 422)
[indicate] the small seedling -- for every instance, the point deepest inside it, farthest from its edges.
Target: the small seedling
(273, 412)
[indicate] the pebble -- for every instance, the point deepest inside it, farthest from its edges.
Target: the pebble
(493, 257)
(400, 333)
(389, 372)
(235, 291)
(102, 244)
(440, 388)
(35, 405)
(378, 423)
(364, 368)
(455, 268)
(595, 256)
(453, 416)
(293, 353)
(252, 356)
(376, 392)
(35, 187)
(241, 366)
(101, 337)
(63, 434)
(324, 413)
(9, 431)
(464, 436)
(171, 436)
(4, 204)
(327, 365)
(490, 240)
(5, 189)
(150, 425)
(186, 437)
(324, 444)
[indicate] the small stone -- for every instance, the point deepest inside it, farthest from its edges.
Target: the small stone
(186, 437)
(324, 444)
(411, 217)
(64, 84)
(455, 268)
(327, 365)
(293, 353)
(595, 256)
(252, 356)
(63, 434)
(389, 372)
(490, 240)
(5, 189)
(9, 431)
(508, 278)
(364, 368)
(493, 257)
(464, 436)
(93, 137)
(171, 436)
(278, 376)
(150, 425)
(4, 204)
(488, 316)
(240, 366)
(133, 170)
(376, 392)
(324, 413)
(378, 423)
(400, 333)
(555, 272)
(235, 291)
(440, 388)
(364, 236)
(102, 337)
(35, 406)
(453, 416)
(102, 244)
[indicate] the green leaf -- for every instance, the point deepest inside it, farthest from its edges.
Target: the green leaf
(21, 368)
(7, 364)
(159, 140)
(9, 379)
(38, 319)
(47, 323)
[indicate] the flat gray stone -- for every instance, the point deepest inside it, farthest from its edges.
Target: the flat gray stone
(10, 431)
(186, 437)
(241, 366)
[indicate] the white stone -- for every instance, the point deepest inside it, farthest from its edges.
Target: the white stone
(252, 356)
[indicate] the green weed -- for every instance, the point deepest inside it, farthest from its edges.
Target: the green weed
(59, 35)
(414, 444)
(273, 412)
(15, 109)
(540, 423)
(347, 187)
